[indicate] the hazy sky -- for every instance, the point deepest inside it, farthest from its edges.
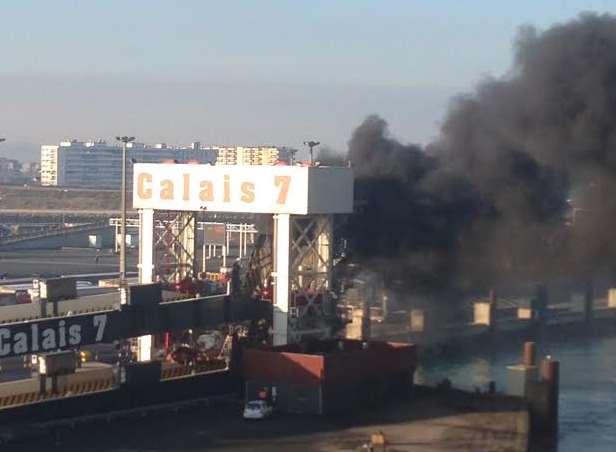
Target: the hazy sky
(249, 72)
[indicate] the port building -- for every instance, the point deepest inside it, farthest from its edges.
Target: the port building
(325, 377)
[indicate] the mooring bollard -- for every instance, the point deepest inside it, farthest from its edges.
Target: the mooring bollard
(521, 376)
(550, 373)
(529, 354)
(550, 370)
(542, 396)
(539, 386)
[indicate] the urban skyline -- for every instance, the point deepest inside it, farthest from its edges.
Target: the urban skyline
(316, 74)
(97, 163)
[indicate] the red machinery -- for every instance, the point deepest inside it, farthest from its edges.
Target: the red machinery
(212, 347)
(190, 286)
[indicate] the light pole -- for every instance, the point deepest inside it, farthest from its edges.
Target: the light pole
(292, 152)
(311, 144)
(125, 140)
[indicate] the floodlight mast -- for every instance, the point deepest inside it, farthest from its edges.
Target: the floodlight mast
(125, 140)
(311, 145)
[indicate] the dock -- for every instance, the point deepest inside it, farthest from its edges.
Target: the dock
(431, 421)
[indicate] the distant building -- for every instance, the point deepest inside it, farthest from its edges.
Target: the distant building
(259, 155)
(15, 172)
(98, 164)
(31, 171)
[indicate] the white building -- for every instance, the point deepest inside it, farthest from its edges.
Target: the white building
(98, 164)
(259, 155)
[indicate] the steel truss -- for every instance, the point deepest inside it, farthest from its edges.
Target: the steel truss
(310, 275)
(261, 262)
(174, 245)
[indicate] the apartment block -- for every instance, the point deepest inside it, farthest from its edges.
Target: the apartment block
(98, 164)
(259, 155)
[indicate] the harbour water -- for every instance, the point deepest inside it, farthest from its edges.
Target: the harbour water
(587, 419)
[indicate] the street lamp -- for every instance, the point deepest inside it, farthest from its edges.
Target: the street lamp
(125, 140)
(292, 152)
(311, 144)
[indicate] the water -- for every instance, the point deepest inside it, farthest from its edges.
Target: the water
(588, 383)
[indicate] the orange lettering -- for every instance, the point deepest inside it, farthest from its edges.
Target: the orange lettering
(227, 193)
(248, 192)
(186, 179)
(283, 182)
(207, 191)
(166, 189)
(142, 191)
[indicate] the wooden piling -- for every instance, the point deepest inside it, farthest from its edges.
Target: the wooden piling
(529, 354)
(543, 398)
(550, 371)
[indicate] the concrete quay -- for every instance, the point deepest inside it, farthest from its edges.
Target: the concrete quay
(431, 421)
(426, 329)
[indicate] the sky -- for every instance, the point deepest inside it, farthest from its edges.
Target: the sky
(248, 72)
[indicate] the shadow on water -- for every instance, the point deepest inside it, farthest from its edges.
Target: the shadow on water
(587, 418)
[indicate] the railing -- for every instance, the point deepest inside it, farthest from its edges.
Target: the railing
(230, 227)
(169, 371)
(54, 233)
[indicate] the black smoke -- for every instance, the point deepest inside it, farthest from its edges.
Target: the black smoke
(520, 184)
(329, 157)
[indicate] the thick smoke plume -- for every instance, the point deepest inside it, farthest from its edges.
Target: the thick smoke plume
(521, 183)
